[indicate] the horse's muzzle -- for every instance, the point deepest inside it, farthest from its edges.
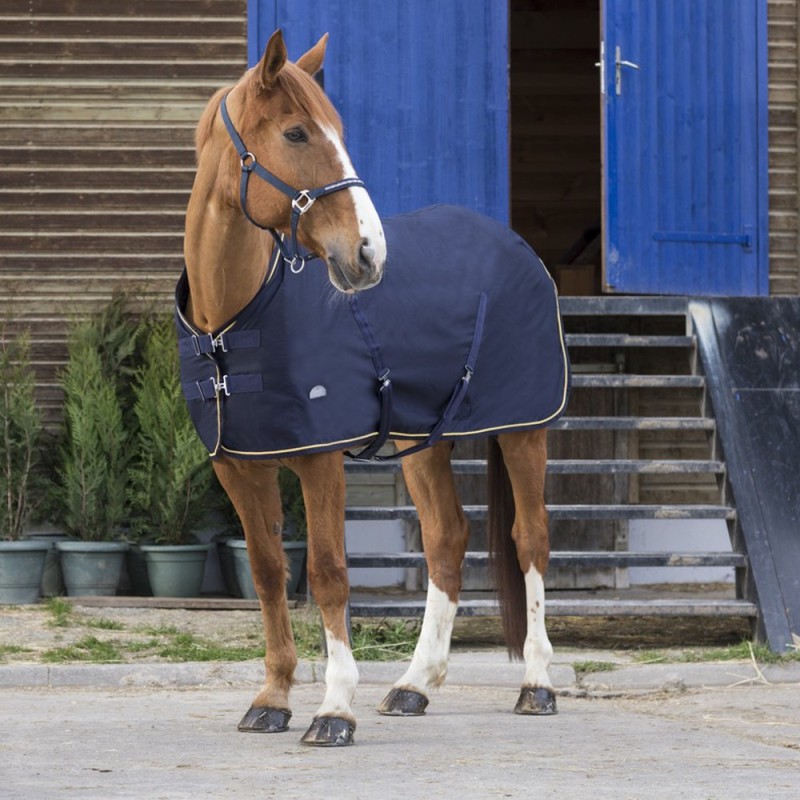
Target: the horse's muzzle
(362, 272)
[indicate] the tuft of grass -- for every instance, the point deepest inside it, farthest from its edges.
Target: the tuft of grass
(307, 630)
(583, 668)
(105, 624)
(90, 648)
(187, 647)
(744, 651)
(60, 610)
(11, 650)
(158, 630)
(384, 641)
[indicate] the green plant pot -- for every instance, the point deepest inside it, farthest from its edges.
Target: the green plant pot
(91, 568)
(21, 568)
(52, 579)
(295, 552)
(176, 570)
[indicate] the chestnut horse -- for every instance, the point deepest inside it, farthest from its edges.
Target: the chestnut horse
(280, 121)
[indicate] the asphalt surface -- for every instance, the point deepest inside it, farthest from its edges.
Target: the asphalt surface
(151, 731)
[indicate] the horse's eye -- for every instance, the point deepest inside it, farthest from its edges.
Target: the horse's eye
(296, 135)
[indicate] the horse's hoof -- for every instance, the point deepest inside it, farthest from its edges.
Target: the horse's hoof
(265, 720)
(536, 700)
(329, 732)
(403, 703)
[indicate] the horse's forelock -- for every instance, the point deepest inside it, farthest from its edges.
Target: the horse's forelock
(301, 90)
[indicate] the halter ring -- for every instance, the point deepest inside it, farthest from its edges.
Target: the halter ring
(293, 264)
(248, 164)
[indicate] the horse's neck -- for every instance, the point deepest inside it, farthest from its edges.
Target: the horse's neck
(226, 259)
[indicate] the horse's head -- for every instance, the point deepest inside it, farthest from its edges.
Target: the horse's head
(291, 129)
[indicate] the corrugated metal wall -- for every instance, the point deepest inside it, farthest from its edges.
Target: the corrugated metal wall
(98, 105)
(422, 87)
(783, 17)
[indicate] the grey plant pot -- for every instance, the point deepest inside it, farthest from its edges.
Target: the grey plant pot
(296, 553)
(176, 570)
(52, 579)
(91, 568)
(21, 568)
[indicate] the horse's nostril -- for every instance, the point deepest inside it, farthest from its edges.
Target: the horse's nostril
(367, 255)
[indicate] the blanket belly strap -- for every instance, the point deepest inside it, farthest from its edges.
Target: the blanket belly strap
(453, 404)
(211, 388)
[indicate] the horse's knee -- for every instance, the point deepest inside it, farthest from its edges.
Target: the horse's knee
(328, 578)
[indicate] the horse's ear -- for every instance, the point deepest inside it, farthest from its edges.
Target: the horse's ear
(273, 60)
(311, 62)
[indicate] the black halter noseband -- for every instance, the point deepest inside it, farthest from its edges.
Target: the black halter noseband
(302, 199)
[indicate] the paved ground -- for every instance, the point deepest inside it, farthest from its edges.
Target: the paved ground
(152, 730)
(153, 743)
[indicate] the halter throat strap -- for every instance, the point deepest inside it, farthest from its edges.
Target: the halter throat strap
(302, 199)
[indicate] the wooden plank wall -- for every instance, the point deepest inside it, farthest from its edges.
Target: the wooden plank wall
(98, 104)
(783, 17)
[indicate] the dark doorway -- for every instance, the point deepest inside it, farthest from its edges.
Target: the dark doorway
(555, 136)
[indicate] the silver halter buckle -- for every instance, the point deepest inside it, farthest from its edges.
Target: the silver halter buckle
(302, 201)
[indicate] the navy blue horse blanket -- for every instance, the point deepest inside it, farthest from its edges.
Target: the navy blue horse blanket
(461, 339)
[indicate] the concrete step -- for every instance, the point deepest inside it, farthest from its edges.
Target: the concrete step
(572, 607)
(564, 558)
(557, 512)
(566, 466)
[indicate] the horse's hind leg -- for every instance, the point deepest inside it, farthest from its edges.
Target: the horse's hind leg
(253, 489)
(429, 479)
(525, 457)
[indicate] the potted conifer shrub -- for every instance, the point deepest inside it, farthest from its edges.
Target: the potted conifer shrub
(93, 473)
(170, 474)
(22, 560)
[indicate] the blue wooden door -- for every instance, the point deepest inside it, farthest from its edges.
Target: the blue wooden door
(422, 87)
(685, 146)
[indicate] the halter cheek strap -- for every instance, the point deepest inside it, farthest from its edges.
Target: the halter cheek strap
(302, 199)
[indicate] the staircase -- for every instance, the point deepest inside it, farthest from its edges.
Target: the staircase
(638, 443)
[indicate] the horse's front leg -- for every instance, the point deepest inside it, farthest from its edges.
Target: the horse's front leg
(253, 489)
(323, 482)
(445, 533)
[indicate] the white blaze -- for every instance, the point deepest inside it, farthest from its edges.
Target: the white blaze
(369, 223)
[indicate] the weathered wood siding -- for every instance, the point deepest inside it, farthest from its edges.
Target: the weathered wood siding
(98, 104)
(784, 185)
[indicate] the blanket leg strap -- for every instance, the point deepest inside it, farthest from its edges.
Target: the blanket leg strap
(453, 404)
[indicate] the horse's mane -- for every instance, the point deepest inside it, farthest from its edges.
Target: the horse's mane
(204, 126)
(299, 87)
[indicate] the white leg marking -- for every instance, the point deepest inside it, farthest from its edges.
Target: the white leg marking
(429, 665)
(537, 650)
(341, 679)
(369, 223)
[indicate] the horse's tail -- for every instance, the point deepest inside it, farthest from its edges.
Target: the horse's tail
(504, 565)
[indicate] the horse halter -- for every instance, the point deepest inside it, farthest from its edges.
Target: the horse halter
(302, 199)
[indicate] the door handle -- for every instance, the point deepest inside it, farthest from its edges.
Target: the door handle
(619, 63)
